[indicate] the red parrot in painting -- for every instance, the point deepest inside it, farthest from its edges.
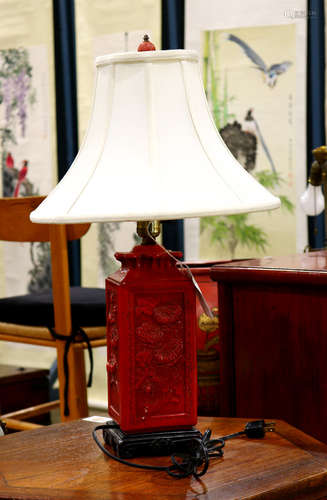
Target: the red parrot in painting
(9, 161)
(21, 176)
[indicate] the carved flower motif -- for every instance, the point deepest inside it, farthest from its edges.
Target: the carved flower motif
(171, 353)
(149, 333)
(145, 306)
(143, 358)
(167, 313)
(112, 362)
(114, 338)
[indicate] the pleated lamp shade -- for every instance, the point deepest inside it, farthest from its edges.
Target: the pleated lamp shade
(152, 150)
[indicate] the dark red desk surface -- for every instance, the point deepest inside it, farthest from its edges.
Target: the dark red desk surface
(63, 462)
(273, 332)
(305, 267)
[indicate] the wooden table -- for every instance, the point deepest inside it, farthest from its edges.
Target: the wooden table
(273, 333)
(63, 462)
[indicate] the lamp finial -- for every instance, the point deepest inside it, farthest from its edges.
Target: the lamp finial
(146, 44)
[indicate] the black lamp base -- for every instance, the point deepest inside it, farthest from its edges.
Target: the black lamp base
(150, 443)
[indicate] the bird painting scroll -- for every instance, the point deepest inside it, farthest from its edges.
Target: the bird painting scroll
(249, 78)
(271, 71)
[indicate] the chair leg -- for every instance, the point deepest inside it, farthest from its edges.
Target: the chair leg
(77, 394)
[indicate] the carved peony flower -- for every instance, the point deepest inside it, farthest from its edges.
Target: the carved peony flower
(170, 353)
(149, 332)
(167, 313)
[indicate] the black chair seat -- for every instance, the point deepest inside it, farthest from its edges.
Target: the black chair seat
(88, 307)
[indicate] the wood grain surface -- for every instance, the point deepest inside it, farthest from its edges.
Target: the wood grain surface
(63, 462)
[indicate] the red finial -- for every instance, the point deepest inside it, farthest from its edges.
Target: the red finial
(146, 44)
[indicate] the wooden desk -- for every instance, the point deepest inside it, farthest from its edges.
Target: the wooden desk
(63, 462)
(23, 387)
(273, 333)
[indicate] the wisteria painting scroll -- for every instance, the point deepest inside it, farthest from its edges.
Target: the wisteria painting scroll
(26, 167)
(16, 96)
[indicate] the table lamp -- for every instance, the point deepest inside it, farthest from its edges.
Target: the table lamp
(151, 152)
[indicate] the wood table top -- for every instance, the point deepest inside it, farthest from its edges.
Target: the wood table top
(63, 462)
(308, 268)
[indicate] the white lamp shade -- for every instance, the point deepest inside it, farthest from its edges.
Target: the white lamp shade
(152, 150)
(312, 200)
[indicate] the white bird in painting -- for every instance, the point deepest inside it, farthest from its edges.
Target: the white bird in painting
(271, 72)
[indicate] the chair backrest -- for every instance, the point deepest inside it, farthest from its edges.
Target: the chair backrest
(15, 225)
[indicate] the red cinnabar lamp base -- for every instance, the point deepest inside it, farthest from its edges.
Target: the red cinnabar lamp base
(151, 339)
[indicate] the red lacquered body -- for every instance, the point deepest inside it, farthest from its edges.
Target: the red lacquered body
(151, 343)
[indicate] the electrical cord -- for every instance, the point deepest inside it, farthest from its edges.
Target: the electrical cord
(195, 461)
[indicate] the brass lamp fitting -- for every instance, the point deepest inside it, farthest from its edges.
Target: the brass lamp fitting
(320, 154)
(315, 174)
(145, 229)
(318, 169)
(207, 324)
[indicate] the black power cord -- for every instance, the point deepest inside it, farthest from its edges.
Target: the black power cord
(195, 461)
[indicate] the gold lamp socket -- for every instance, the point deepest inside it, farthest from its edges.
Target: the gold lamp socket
(148, 231)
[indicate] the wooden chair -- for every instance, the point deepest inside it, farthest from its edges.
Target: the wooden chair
(64, 315)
